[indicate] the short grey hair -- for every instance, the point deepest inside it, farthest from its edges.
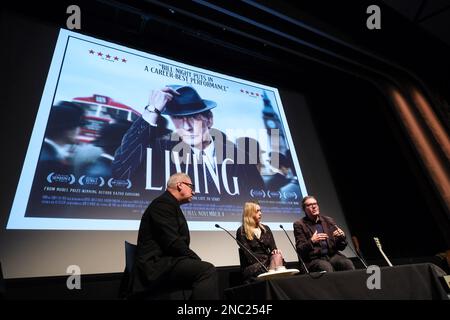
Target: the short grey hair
(176, 178)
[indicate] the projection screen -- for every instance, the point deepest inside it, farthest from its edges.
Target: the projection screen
(64, 212)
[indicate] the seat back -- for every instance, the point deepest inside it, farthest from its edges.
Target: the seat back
(130, 253)
(168, 293)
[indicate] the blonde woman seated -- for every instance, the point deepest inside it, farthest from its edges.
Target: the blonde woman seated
(257, 238)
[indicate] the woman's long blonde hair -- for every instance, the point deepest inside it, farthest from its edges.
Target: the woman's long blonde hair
(248, 223)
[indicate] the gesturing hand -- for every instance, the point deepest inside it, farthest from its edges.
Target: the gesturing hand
(338, 232)
(316, 237)
(159, 98)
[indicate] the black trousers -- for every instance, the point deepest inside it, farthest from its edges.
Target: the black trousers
(336, 262)
(200, 276)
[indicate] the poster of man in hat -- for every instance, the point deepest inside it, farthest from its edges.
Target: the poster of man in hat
(218, 129)
(204, 153)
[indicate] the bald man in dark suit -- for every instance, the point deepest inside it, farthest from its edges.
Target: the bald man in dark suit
(163, 256)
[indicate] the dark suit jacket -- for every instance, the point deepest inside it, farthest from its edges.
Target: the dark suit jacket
(130, 160)
(304, 230)
(261, 248)
(163, 240)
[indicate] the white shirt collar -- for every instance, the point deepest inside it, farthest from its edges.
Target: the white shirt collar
(257, 232)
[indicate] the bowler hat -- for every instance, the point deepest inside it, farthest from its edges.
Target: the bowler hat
(188, 102)
(65, 115)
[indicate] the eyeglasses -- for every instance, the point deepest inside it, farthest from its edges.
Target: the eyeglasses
(190, 185)
(311, 204)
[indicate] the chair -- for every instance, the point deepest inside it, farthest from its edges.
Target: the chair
(130, 253)
(169, 293)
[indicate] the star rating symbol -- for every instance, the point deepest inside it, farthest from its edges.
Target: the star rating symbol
(253, 94)
(107, 56)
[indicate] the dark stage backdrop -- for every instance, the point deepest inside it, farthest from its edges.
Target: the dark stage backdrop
(351, 149)
(34, 245)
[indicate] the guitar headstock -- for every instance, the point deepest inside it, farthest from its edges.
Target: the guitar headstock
(377, 242)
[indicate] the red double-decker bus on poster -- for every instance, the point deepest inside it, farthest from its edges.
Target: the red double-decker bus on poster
(99, 111)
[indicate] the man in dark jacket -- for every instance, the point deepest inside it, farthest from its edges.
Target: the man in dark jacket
(163, 256)
(319, 240)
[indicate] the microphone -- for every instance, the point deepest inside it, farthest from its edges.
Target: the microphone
(298, 255)
(356, 244)
(242, 246)
(358, 250)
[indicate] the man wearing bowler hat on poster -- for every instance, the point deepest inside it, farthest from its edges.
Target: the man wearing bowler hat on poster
(199, 150)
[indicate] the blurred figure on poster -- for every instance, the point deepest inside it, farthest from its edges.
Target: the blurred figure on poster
(283, 179)
(96, 160)
(250, 152)
(60, 142)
